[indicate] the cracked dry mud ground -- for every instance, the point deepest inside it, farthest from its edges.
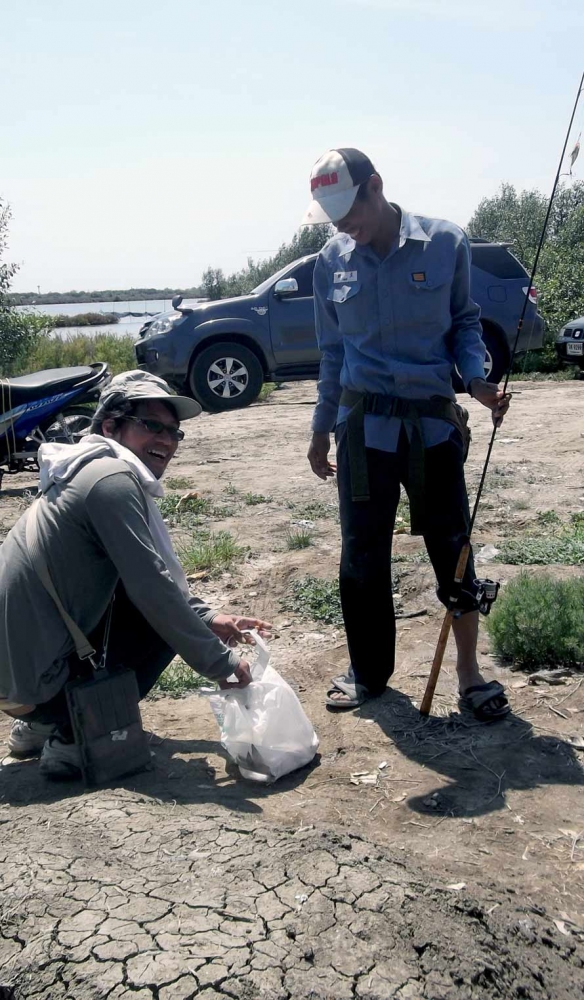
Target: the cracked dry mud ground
(101, 894)
(132, 900)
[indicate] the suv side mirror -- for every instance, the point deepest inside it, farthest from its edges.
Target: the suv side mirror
(286, 286)
(176, 301)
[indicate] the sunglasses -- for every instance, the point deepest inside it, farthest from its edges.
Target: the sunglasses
(157, 427)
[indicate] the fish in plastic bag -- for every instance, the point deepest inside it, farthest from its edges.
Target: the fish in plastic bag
(264, 728)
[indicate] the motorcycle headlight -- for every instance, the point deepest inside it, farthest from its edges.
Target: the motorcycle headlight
(164, 324)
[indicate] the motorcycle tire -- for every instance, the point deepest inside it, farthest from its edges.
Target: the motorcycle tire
(77, 419)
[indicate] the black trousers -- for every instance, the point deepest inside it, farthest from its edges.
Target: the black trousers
(367, 529)
(132, 643)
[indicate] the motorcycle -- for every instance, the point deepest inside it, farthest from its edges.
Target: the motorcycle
(45, 406)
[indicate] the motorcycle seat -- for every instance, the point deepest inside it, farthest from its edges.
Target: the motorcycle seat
(24, 388)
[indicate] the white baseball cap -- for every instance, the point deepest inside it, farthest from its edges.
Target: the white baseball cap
(143, 386)
(334, 182)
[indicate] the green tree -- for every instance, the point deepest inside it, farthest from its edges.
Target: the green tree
(309, 239)
(213, 283)
(518, 219)
(18, 331)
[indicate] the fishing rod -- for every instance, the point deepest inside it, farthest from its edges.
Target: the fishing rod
(465, 551)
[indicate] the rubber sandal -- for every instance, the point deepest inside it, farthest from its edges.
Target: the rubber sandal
(354, 694)
(487, 702)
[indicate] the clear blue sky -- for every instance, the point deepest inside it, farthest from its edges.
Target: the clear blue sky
(142, 141)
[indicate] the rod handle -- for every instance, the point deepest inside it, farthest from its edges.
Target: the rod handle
(443, 637)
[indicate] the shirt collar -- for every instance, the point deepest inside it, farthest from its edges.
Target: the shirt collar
(411, 229)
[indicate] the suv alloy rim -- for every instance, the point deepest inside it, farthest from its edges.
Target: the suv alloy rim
(227, 377)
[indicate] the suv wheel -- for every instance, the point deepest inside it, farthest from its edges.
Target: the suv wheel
(495, 361)
(226, 376)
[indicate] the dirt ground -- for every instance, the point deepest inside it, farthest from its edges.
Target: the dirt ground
(454, 871)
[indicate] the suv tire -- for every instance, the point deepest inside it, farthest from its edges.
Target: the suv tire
(225, 376)
(495, 362)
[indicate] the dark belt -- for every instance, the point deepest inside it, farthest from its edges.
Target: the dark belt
(438, 407)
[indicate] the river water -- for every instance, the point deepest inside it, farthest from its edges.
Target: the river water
(127, 324)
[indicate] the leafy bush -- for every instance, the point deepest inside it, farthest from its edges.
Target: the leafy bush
(20, 335)
(18, 331)
(81, 349)
(539, 621)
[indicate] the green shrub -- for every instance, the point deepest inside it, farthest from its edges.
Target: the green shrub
(81, 349)
(20, 334)
(539, 621)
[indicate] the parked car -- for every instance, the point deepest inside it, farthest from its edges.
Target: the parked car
(570, 342)
(221, 352)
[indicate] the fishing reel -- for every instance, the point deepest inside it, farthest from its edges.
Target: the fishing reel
(486, 594)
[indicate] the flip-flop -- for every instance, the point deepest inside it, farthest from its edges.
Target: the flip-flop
(354, 694)
(487, 702)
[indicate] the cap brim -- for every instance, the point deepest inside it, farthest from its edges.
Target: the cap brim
(183, 406)
(331, 209)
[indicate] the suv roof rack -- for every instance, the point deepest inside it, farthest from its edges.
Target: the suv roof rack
(491, 243)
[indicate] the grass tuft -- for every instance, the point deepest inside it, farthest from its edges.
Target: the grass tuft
(300, 539)
(179, 679)
(210, 553)
(252, 499)
(178, 483)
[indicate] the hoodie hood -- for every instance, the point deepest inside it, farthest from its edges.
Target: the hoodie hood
(59, 462)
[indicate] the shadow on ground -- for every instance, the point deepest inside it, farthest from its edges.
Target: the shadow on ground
(481, 761)
(173, 779)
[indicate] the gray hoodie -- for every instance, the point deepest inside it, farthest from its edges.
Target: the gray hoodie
(94, 530)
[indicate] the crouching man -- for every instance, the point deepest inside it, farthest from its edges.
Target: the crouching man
(101, 533)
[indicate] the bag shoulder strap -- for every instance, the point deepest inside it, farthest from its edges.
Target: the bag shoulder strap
(83, 647)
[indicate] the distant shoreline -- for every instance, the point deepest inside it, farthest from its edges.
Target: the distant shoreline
(109, 295)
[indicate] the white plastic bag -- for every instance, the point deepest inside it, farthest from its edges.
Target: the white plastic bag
(263, 726)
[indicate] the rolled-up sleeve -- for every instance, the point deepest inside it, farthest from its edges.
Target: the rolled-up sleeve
(468, 348)
(330, 344)
(115, 507)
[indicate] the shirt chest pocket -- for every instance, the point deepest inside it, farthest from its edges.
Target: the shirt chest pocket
(343, 292)
(428, 294)
(349, 302)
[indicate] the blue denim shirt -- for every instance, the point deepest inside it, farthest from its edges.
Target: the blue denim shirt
(396, 326)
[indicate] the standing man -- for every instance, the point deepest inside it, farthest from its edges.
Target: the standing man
(393, 318)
